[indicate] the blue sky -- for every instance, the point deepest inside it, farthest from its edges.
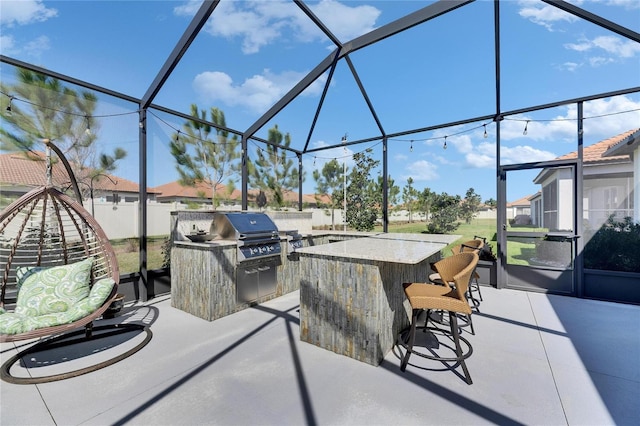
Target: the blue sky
(251, 53)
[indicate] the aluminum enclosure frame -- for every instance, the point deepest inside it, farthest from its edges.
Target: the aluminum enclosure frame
(342, 51)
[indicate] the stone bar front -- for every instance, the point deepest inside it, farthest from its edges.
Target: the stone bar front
(351, 296)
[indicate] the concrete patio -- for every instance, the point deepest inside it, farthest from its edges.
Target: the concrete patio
(538, 359)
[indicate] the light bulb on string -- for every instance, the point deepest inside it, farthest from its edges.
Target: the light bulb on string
(525, 128)
(88, 130)
(411, 147)
(314, 161)
(485, 131)
(178, 136)
(8, 109)
(445, 143)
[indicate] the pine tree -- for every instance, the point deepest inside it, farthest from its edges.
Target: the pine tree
(274, 170)
(43, 107)
(205, 154)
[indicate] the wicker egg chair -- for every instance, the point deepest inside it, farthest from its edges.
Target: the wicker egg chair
(46, 228)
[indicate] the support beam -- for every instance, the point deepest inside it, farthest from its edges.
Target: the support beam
(399, 25)
(185, 41)
(598, 20)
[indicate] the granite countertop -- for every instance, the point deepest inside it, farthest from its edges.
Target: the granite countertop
(390, 247)
(211, 243)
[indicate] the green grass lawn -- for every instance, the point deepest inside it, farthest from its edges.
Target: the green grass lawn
(518, 253)
(129, 258)
(478, 227)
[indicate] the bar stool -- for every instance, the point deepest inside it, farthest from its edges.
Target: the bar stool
(427, 297)
(475, 246)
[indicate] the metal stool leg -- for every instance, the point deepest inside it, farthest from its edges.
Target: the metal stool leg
(411, 339)
(456, 338)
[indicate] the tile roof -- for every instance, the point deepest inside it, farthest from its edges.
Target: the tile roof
(524, 201)
(29, 169)
(595, 153)
(175, 190)
(201, 190)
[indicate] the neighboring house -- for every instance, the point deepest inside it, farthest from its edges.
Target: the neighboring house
(173, 192)
(20, 172)
(611, 184)
(536, 209)
(201, 194)
(520, 207)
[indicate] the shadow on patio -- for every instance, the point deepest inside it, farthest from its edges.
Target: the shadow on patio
(538, 359)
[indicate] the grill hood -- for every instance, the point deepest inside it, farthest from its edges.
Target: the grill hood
(243, 225)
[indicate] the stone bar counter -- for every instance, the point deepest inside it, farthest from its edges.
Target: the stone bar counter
(351, 296)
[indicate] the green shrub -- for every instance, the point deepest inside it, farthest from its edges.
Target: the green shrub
(614, 247)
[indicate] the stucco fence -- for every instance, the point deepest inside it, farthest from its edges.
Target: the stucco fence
(122, 220)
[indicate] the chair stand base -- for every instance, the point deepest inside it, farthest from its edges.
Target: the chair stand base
(64, 340)
(406, 339)
(437, 317)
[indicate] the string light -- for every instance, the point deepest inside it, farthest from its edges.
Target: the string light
(411, 147)
(8, 109)
(314, 160)
(485, 131)
(525, 128)
(88, 131)
(178, 136)
(445, 143)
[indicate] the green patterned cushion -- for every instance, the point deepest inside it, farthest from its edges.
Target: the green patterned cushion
(16, 323)
(99, 293)
(53, 290)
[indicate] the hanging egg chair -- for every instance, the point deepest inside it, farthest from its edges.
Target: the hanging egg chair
(59, 273)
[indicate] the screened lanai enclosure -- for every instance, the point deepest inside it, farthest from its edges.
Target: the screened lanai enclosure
(532, 107)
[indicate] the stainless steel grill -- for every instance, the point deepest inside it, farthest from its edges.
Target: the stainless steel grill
(258, 253)
(294, 240)
(256, 234)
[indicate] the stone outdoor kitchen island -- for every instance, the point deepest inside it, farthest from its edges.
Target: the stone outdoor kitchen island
(351, 296)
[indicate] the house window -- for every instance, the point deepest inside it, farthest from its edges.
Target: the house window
(610, 199)
(550, 212)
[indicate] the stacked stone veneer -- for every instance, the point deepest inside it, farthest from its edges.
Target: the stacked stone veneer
(355, 307)
(203, 279)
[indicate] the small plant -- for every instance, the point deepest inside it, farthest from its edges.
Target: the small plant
(131, 245)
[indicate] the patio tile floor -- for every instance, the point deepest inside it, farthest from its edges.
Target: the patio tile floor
(538, 359)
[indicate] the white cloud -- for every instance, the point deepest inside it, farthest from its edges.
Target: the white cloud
(627, 4)
(346, 22)
(603, 119)
(483, 155)
(617, 46)
(401, 157)
(318, 160)
(523, 154)
(570, 66)
(25, 12)
(7, 44)
(37, 46)
(258, 92)
(611, 45)
(543, 14)
(610, 122)
(188, 9)
(259, 23)
(440, 159)
(583, 46)
(420, 171)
